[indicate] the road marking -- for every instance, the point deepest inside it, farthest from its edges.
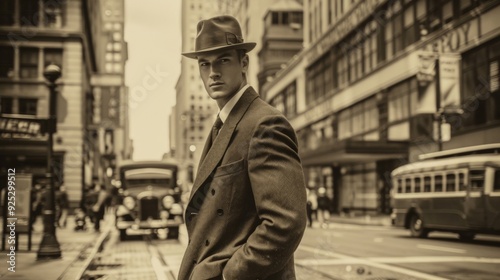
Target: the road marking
(394, 260)
(409, 272)
(443, 249)
(427, 259)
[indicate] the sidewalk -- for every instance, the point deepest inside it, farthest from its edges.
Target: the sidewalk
(72, 244)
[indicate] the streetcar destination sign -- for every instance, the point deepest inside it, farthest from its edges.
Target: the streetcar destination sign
(30, 126)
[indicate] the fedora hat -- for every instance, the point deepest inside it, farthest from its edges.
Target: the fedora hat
(216, 34)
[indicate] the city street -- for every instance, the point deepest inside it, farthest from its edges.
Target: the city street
(339, 251)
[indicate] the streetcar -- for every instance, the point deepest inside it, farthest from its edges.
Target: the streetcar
(150, 198)
(455, 191)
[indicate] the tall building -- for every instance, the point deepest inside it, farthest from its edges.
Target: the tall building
(194, 111)
(380, 82)
(68, 33)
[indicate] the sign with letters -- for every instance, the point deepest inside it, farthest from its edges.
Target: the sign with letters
(449, 80)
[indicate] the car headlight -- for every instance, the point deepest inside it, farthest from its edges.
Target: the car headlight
(129, 202)
(168, 201)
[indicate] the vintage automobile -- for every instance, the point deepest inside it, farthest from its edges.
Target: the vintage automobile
(150, 199)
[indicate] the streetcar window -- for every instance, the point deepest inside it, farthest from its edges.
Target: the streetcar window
(476, 180)
(418, 183)
(496, 181)
(438, 183)
(427, 184)
(400, 186)
(408, 185)
(461, 182)
(450, 182)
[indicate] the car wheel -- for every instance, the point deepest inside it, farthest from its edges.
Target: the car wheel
(466, 236)
(173, 233)
(417, 228)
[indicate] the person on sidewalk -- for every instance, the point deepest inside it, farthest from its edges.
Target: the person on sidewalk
(247, 211)
(62, 205)
(99, 206)
(323, 207)
(312, 205)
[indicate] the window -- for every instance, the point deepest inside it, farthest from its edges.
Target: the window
(398, 99)
(7, 62)
(496, 181)
(400, 186)
(427, 184)
(461, 182)
(450, 182)
(438, 183)
(476, 180)
(408, 185)
(359, 119)
(28, 106)
(29, 14)
(319, 78)
(29, 63)
(53, 56)
(418, 186)
(480, 82)
(53, 13)
(7, 12)
(6, 105)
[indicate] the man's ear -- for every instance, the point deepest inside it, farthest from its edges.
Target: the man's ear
(244, 63)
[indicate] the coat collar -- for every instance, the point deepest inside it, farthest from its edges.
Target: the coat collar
(211, 156)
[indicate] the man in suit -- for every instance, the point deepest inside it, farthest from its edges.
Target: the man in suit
(247, 211)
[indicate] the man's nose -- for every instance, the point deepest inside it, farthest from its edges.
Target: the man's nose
(214, 73)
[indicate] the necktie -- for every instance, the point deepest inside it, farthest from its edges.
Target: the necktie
(215, 129)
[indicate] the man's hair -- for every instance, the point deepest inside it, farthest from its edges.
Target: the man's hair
(241, 53)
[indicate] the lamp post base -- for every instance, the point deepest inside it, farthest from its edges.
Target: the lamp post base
(49, 247)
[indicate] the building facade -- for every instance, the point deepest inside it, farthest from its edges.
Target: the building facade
(34, 34)
(380, 82)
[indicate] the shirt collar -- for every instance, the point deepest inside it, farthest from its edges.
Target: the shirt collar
(224, 112)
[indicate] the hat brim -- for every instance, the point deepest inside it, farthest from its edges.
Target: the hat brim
(241, 46)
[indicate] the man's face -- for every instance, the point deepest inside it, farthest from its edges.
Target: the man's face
(222, 74)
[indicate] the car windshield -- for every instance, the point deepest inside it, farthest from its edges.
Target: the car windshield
(143, 177)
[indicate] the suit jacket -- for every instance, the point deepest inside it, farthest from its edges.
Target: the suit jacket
(247, 210)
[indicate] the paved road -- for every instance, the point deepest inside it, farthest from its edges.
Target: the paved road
(337, 252)
(364, 252)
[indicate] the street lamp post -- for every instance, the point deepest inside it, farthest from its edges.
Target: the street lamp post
(49, 247)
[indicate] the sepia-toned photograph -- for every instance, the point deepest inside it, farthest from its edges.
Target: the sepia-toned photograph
(250, 140)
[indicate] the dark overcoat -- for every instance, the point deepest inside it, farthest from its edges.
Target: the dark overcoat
(247, 210)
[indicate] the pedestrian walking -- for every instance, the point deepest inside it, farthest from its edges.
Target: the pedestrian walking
(37, 203)
(62, 205)
(247, 211)
(323, 207)
(312, 205)
(99, 206)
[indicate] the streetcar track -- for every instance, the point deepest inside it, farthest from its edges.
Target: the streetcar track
(157, 254)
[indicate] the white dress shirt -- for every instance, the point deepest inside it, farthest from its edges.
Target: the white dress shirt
(224, 112)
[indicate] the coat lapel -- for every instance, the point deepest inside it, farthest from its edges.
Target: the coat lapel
(210, 158)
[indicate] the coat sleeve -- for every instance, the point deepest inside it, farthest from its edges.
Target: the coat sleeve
(277, 183)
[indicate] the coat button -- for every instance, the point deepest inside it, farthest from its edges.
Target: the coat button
(207, 242)
(220, 212)
(213, 191)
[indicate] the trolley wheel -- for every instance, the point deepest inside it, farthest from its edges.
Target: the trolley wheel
(466, 236)
(417, 228)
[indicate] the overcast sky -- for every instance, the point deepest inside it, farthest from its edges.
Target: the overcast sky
(153, 33)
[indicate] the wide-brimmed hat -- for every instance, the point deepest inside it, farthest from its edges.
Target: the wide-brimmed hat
(218, 33)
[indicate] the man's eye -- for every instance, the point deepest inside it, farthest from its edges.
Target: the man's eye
(203, 64)
(224, 60)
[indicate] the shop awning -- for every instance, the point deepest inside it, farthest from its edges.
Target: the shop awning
(353, 151)
(23, 147)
